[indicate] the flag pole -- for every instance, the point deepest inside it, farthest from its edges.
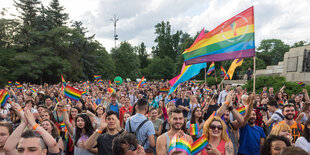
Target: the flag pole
(206, 74)
(254, 73)
(219, 86)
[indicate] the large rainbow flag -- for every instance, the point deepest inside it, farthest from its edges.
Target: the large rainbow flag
(4, 96)
(232, 39)
(188, 71)
(72, 93)
(199, 145)
(211, 68)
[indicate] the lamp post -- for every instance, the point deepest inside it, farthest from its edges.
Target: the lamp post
(114, 20)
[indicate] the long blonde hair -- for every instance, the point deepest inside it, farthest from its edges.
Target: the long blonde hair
(280, 127)
(206, 128)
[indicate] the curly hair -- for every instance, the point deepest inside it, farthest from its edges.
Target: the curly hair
(206, 128)
(266, 149)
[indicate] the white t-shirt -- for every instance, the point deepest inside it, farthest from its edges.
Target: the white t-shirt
(303, 144)
(276, 116)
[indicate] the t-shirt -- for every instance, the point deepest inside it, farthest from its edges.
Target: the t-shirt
(295, 131)
(114, 108)
(146, 130)
(185, 103)
(276, 117)
(303, 143)
(104, 143)
(188, 123)
(156, 124)
(250, 139)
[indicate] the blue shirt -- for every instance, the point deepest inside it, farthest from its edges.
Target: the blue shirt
(114, 108)
(185, 103)
(146, 130)
(98, 101)
(250, 139)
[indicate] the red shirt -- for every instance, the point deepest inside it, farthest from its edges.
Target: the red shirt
(122, 111)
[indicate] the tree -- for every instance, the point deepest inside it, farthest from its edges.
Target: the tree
(126, 61)
(299, 44)
(160, 68)
(272, 51)
(55, 14)
(142, 53)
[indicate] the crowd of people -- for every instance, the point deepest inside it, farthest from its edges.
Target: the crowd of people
(39, 119)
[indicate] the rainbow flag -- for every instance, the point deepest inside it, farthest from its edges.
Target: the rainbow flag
(110, 84)
(56, 100)
(4, 96)
(233, 66)
(10, 83)
(140, 83)
(224, 73)
(211, 68)
(179, 144)
(17, 83)
(301, 84)
(72, 93)
(193, 82)
(208, 89)
(199, 145)
(241, 110)
(100, 81)
(33, 90)
(193, 129)
(19, 87)
(163, 90)
(62, 125)
(281, 103)
(97, 77)
(84, 92)
(63, 83)
(232, 39)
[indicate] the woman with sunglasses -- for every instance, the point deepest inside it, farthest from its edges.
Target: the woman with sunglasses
(218, 141)
(80, 133)
(57, 113)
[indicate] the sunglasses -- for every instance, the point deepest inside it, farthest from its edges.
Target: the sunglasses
(132, 147)
(213, 127)
(60, 106)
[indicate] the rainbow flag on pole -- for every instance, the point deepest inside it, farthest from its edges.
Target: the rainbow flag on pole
(140, 83)
(199, 145)
(4, 96)
(193, 129)
(301, 84)
(179, 144)
(224, 73)
(56, 100)
(97, 77)
(10, 83)
(211, 68)
(72, 93)
(63, 83)
(19, 87)
(232, 39)
(33, 90)
(241, 110)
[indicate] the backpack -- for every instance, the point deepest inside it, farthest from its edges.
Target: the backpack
(137, 130)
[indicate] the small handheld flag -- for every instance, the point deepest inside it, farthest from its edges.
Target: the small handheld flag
(19, 87)
(4, 96)
(72, 93)
(140, 83)
(62, 125)
(241, 110)
(281, 103)
(302, 84)
(164, 90)
(211, 68)
(63, 83)
(199, 145)
(33, 90)
(97, 77)
(10, 83)
(193, 129)
(224, 73)
(56, 100)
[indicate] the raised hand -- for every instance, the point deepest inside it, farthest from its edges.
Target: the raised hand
(103, 123)
(30, 118)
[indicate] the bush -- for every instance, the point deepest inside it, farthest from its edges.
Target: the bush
(276, 82)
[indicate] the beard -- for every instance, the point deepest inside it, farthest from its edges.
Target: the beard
(251, 121)
(175, 126)
(288, 116)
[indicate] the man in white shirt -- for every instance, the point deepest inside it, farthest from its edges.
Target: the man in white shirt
(222, 95)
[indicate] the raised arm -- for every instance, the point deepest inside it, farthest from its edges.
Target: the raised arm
(66, 118)
(249, 109)
(92, 140)
(224, 106)
(306, 95)
(12, 141)
(48, 138)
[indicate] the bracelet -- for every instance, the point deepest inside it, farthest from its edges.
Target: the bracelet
(64, 110)
(19, 109)
(99, 131)
(35, 126)
(227, 103)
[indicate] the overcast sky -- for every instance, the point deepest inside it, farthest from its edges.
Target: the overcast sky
(288, 20)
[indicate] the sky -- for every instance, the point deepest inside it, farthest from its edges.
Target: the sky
(287, 20)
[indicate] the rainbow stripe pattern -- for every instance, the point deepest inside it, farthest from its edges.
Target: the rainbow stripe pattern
(110, 84)
(10, 83)
(193, 129)
(163, 90)
(17, 83)
(179, 144)
(62, 125)
(302, 84)
(241, 110)
(97, 77)
(208, 89)
(199, 145)
(211, 68)
(232, 39)
(224, 73)
(281, 103)
(56, 100)
(72, 93)
(33, 90)
(140, 83)
(19, 87)
(84, 93)
(4, 96)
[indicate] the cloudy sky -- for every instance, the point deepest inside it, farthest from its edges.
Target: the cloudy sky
(287, 20)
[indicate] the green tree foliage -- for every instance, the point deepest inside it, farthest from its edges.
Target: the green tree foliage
(142, 53)
(126, 61)
(271, 51)
(299, 44)
(276, 82)
(160, 68)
